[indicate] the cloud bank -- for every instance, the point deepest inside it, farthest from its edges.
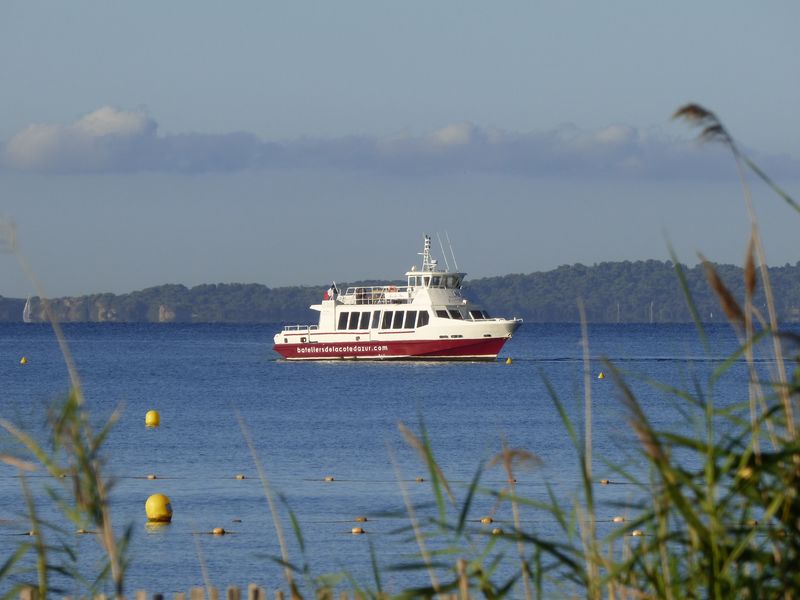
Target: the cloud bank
(109, 140)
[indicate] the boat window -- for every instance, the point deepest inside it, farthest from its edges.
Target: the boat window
(423, 318)
(411, 318)
(364, 324)
(452, 281)
(376, 319)
(443, 314)
(476, 315)
(387, 319)
(427, 281)
(343, 320)
(398, 319)
(436, 281)
(454, 314)
(486, 315)
(353, 320)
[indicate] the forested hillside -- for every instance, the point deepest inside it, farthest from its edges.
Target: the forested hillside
(627, 292)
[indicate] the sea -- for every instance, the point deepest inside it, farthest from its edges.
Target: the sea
(327, 447)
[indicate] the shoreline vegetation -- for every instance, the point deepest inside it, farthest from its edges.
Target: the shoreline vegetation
(613, 292)
(717, 514)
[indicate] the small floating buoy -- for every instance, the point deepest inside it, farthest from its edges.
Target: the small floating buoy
(23, 360)
(509, 361)
(152, 419)
(151, 476)
(497, 531)
(487, 520)
(618, 519)
(604, 482)
(637, 533)
(360, 519)
(31, 533)
(329, 478)
(357, 531)
(81, 531)
(239, 476)
(236, 520)
(601, 375)
(218, 531)
(158, 509)
(420, 479)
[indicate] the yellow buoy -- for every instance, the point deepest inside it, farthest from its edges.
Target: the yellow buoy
(151, 476)
(604, 482)
(601, 375)
(487, 520)
(329, 478)
(357, 531)
(618, 519)
(360, 519)
(239, 476)
(152, 418)
(81, 531)
(637, 533)
(420, 480)
(509, 361)
(158, 509)
(23, 360)
(497, 531)
(218, 531)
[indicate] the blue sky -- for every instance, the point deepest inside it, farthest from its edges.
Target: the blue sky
(199, 142)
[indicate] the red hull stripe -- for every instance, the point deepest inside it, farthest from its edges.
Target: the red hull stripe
(419, 349)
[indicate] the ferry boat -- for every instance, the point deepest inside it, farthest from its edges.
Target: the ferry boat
(427, 319)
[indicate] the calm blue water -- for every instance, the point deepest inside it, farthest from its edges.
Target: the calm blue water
(311, 420)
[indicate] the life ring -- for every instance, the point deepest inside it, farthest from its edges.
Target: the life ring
(391, 289)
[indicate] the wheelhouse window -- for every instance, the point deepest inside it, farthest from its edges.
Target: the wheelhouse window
(411, 319)
(454, 314)
(427, 281)
(476, 315)
(387, 319)
(486, 315)
(398, 319)
(376, 319)
(342, 320)
(453, 281)
(423, 318)
(442, 314)
(436, 281)
(354, 320)
(364, 324)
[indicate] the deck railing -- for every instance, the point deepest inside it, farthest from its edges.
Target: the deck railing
(383, 294)
(301, 328)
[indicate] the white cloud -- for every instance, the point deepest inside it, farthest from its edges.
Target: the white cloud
(94, 142)
(110, 121)
(112, 140)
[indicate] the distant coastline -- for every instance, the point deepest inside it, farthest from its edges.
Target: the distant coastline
(613, 292)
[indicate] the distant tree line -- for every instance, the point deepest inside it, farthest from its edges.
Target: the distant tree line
(624, 292)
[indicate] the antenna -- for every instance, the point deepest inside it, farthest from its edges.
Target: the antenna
(446, 264)
(447, 235)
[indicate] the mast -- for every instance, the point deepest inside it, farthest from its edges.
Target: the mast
(428, 263)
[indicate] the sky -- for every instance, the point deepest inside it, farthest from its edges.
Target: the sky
(298, 143)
